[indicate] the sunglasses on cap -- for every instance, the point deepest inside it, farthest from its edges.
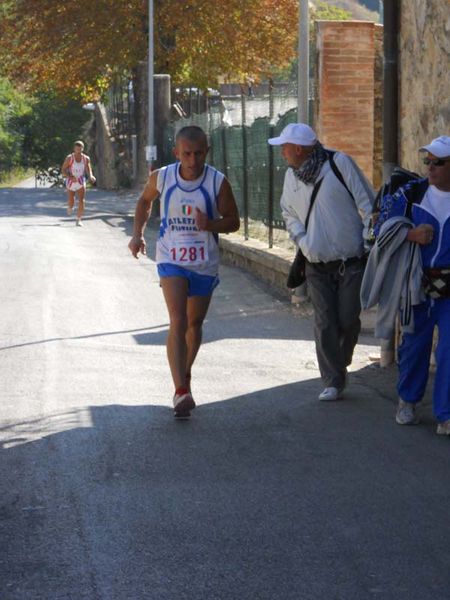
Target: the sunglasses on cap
(436, 162)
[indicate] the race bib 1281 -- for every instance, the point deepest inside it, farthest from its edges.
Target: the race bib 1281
(189, 252)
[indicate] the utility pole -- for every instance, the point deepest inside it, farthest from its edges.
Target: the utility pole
(303, 62)
(390, 121)
(150, 149)
(300, 293)
(390, 100)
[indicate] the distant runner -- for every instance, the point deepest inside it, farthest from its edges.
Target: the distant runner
(76, 168)
(197, 204)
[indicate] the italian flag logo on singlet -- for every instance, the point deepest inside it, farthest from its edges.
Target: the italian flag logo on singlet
(187, 210)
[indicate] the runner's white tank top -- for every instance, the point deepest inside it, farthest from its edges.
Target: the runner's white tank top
(77, 169)
(180, 242)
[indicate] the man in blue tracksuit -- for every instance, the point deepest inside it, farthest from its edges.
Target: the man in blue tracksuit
(427, 203)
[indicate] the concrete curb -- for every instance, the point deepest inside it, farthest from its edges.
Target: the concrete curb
(271, 265)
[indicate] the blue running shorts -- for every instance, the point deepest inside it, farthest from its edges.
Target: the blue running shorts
(198, 285)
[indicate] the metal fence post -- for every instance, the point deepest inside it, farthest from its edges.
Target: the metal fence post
(223, 137)
(134, 160)
(271, 166)
(271, 188)
(244, 166)
(210, 128)
(190, 102)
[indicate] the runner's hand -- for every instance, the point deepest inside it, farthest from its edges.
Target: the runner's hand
(201, 220)
(92, 179)
(423, 234)
(137, 245)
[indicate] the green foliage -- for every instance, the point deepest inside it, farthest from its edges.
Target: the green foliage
(50, 129)
(326, 12)
(36, 131)
(13, 106)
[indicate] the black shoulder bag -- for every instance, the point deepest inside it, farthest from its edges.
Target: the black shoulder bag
(297, 274)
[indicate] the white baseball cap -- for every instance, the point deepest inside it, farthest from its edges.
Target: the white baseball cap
(439, 147)
(299, 134)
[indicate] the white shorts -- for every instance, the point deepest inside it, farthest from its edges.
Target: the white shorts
(74, 186)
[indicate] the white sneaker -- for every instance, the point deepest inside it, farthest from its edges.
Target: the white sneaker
(79, 223)
(406, 413)
(443, 428)
(330, 393)
(183, 404)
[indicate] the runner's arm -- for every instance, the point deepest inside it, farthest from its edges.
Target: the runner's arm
(90, 173)
(64, 169)
(226, 205)
(142, 213)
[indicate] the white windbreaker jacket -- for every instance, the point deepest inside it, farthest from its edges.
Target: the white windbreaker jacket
(338, 223)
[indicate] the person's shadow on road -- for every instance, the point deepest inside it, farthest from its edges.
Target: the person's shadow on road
(267, 495)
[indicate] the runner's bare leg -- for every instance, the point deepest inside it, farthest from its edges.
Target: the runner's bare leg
(70, 201)
(81, 193)
(175, 294)
(197, 307)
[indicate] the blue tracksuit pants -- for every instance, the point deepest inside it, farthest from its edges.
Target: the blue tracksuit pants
(414, 357)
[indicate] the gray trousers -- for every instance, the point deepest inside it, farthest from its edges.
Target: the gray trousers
(334, 290)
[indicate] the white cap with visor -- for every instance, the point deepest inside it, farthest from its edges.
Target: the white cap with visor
(299, 134)
(439, 147)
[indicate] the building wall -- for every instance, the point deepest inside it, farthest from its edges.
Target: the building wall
(424, 81)
(347, 89)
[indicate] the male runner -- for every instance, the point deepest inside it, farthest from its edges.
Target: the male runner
(75, 168)
(197, 204)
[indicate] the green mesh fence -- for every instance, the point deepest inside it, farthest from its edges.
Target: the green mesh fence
(238, 130)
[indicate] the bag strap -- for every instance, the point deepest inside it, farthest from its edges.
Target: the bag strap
(336, 171)
(414, 195)
(313, 198)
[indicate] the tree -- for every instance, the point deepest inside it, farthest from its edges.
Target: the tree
(324, 11)
(49, 129)
(13, 106)
(36, 131)
(77, 47)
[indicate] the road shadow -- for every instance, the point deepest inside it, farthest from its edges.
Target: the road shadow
(52, 202)
(266, 495)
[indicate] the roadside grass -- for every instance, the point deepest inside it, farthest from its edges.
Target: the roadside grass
(15, 176)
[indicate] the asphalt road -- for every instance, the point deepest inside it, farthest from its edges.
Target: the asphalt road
(266, 494)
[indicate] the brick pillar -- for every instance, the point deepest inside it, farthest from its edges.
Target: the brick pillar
(345, 117)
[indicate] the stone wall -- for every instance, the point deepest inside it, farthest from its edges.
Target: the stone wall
(424, 62)
(105, 152)
(349, 55)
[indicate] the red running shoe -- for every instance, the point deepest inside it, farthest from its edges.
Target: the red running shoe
(183, 403)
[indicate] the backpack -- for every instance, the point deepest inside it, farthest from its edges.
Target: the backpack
(399, 178)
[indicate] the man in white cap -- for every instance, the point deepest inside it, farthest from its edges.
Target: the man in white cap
(427, 203)
(326, 204)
